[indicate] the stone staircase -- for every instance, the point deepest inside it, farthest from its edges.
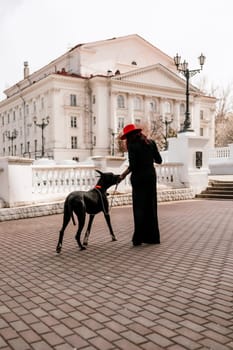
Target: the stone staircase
(218, 189)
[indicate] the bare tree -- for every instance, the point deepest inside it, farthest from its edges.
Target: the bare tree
(224, 117)
(224, 111)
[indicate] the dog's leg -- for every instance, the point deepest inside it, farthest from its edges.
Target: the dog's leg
(66, 219)
(107, 218)
(81, 214)
(88, 231)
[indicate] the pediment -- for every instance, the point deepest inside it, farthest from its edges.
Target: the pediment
(156, 75)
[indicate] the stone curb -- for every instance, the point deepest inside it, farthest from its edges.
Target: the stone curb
(43, 209)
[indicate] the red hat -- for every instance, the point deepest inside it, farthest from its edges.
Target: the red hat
(128, 129)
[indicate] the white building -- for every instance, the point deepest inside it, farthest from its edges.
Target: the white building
(90, 93)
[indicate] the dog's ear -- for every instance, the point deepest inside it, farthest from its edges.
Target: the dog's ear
(99, 172)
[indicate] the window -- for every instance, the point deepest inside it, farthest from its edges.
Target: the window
(137, 121)
(120, 101)
(137, 103)
(182, 109)
(120, 123)
(94, 140)
(153, 106)
(153, 125)
(93, 99)
(35, 145)
(73, 100)
(201, 114)
(42, 102)
(21, 148)
(34, 106)
(2, 121)
(167, 107)
(73, 122)
(14, 116)
(201, 132)
(8, 118)
(74, 142)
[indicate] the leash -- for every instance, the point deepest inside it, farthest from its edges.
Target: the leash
(101, 197)
(102, 202)
(114, 192)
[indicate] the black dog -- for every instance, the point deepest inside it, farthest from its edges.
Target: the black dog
(91, 202)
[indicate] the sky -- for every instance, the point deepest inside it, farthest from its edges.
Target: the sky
(39, 31)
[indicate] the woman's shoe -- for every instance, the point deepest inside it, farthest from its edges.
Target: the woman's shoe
(151, 242)
(137, 244)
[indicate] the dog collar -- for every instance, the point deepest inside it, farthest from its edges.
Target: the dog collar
(97, 186)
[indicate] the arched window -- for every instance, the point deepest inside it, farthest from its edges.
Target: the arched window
(120, 101)
(167, 107)
(137, 121)
(137, 103)
(120, 123)
(182, 109)
(153, 106)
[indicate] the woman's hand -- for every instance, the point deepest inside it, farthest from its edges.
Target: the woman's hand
(124, 174)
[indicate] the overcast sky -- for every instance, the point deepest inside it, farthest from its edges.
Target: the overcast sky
(39, 31)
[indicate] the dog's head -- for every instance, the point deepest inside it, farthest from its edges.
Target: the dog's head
(107, 180)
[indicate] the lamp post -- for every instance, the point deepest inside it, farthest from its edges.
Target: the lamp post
(183, 68)
(113, 143)
(167, 123)
(42, 125)
(11, 137)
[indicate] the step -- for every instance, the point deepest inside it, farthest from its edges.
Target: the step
(220, 184)
(218, 191)
(214, 196)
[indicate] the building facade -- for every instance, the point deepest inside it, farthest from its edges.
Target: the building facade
(74, 107)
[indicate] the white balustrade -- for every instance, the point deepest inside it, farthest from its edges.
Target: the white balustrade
(24, 183)
(219, 152)
(169, 174)
(62, 179)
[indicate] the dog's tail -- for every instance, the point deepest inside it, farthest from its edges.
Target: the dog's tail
(70, 211)
(72, 217)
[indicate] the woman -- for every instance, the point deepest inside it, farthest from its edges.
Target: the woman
(142, 154)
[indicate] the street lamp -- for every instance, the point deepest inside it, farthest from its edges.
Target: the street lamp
(113, 143)
(183, 68)
(167, 123)
(11, 137)
(42, 125)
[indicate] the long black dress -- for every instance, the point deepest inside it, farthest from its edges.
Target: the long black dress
(142, 155)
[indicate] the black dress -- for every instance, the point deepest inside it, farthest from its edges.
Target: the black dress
(142, 155)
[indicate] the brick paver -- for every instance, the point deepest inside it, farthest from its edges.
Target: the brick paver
(177, 295)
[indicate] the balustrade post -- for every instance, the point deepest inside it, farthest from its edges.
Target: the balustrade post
(16, 181)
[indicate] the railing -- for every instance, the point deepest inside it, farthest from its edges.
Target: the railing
(169, 174)
(220, 152)
(64, 179)
(23, 183)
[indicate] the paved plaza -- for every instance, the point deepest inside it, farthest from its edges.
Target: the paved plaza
(176, 295)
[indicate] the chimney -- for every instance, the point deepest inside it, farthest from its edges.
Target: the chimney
(26, 70)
